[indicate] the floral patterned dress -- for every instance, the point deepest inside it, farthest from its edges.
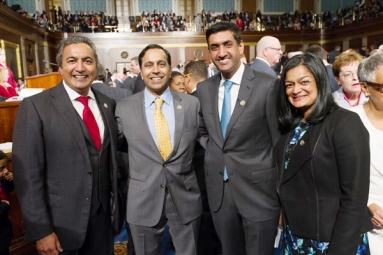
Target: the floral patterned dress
(294, 245)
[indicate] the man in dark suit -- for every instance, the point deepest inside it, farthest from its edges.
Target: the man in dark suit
(119, 79)
(122, 158)
(322, 54)
(139, 84)
(64, 159)
(333, 54)
(116, 93)
(269, 53)
(208, 243)
(134, 72)
(162, 185)
(238, 128)
(211, 70)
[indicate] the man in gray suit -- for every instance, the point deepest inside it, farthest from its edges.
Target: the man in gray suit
(269, 53)
(160, 128)
(238, 129)
(116, 93)
(64, 159)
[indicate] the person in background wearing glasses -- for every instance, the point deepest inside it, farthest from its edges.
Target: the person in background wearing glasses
(6, 186)
(370, 75)
(269, 53)
(345, 68)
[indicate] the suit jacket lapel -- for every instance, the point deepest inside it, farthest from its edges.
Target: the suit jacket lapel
(179, 113)
(64, 106)
(214, 88)
(304, 150)
(245, 89)
(301, 154)
(106, 116)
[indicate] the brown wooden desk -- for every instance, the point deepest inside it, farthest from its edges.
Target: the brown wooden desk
(8, 111)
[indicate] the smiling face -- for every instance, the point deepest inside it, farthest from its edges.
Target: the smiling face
(78, 67)
(348, 78)
(155, 71)
(301, 89)
(225, 52)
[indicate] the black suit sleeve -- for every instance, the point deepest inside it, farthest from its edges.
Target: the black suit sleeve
(271, 111)
(139, 85)
(351, 142)
(203, 132)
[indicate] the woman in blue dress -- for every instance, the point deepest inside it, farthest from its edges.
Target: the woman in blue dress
(323, 161)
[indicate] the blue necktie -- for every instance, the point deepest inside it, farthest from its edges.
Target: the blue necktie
(226, 114)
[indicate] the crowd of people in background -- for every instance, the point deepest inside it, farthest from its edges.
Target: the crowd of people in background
(159, 21)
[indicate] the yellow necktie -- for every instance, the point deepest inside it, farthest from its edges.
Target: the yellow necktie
(162, 130)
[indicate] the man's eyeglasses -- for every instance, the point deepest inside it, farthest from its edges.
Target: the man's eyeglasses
(187, 74)
(349, 75)
(377, 86)
(276, 49)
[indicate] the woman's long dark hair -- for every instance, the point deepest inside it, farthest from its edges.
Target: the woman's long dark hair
(288, 115)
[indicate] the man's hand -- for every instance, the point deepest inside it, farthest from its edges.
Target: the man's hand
(9, 176)
(49, 245)
(377, 220)
(5, 201)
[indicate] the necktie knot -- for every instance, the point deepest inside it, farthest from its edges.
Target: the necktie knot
(228, 84)
(90, 122)
(158, 102)
(83, 100)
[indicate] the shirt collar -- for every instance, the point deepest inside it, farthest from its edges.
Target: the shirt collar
(263, 60)
(237, 77)
(73, 95)
(149, 98)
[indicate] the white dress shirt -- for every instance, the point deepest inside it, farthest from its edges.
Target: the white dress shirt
(236, 79)
(79, 107)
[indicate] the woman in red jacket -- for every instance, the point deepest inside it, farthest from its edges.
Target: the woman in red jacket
(6, 90)
(11, 77)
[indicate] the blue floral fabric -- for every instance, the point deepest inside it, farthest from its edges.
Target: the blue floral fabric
(293, 245)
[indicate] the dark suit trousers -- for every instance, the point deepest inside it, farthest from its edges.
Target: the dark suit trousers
(240, 236)
(147, 240)
(99, 235)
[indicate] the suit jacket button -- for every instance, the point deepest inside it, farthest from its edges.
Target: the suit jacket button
(87, 198)
(90, 173)
(162, 186)
(164, 165)
(225, 152)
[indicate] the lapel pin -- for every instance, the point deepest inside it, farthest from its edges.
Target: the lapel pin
(179, 107)
(105, 105)
(302, 142)
(242, 103)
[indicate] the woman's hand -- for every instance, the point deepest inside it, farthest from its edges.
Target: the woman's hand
(377, 219)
